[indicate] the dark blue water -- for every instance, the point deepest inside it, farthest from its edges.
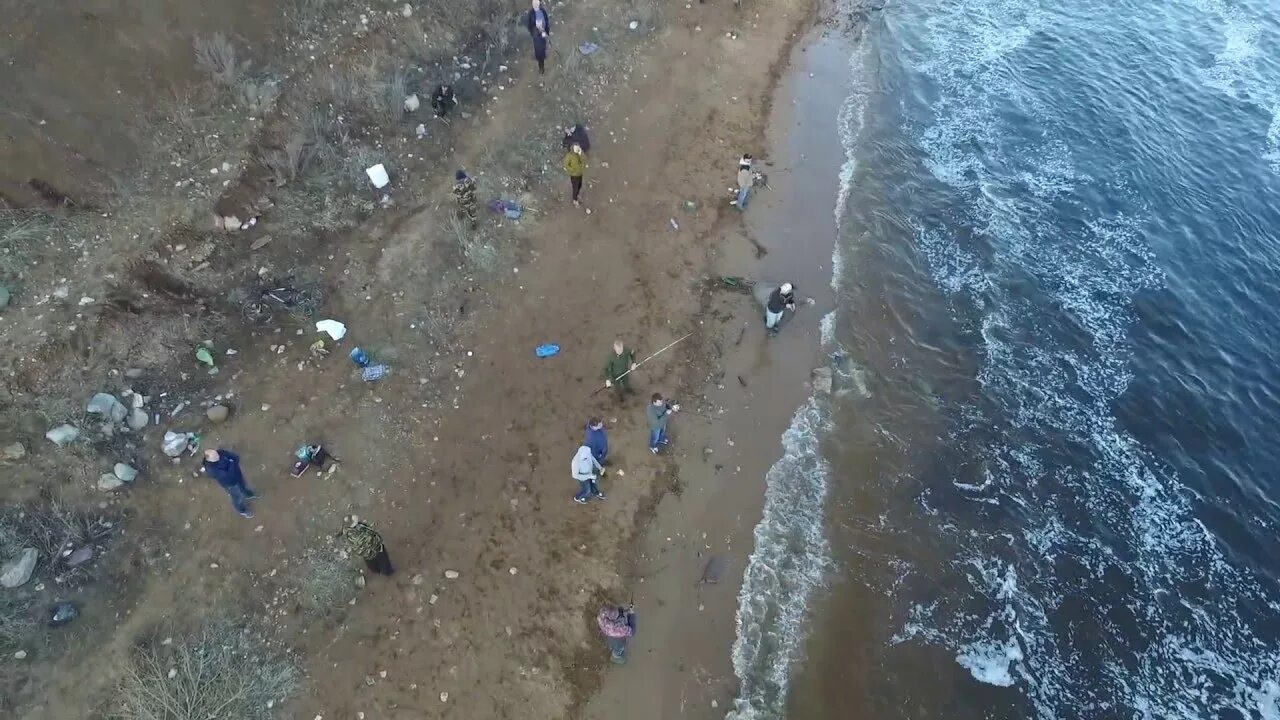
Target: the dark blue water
(1054, 490)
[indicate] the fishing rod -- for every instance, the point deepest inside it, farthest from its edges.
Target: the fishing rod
(637, 365)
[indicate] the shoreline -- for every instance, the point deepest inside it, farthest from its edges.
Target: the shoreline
(683, 653)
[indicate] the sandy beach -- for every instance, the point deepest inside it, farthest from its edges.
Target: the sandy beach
(480, 488)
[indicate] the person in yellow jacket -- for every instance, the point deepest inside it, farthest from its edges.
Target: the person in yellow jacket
(575, 164)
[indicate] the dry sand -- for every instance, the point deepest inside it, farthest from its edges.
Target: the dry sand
(484, 489)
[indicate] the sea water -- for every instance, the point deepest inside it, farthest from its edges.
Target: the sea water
(1045, 485)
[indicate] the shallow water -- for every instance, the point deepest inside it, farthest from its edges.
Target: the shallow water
(1048, 487)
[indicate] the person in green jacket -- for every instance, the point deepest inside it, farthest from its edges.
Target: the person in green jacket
(618, 367)
(575, 164)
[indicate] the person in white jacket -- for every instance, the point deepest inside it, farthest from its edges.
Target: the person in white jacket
(586, 471)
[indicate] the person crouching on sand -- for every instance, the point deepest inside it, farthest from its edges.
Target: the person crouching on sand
(618, 625)
(781, 299)
(366, 543)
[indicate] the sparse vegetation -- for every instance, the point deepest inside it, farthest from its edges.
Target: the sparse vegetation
(217, 56)
(53, 530)
(325, 582)
(16, 622)
(220, 672)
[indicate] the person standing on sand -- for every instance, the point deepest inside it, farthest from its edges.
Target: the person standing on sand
(464, 192)
(366, 544)
(658, 412)
(539, 24)
(782, 298)
(586, 471)
(598, 440)
(224, 466)
(618, 625)
(746, 179)
(575, 165)
(617, 369)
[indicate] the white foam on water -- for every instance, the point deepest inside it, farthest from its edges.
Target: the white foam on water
(1241, 69)
(788, 563)
(1187, 648)
(791, 553)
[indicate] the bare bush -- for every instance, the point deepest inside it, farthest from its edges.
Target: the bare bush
(220, 672)
(217, 56)
(54, 530)
(258, 95)
(325, 582)
(389, 104)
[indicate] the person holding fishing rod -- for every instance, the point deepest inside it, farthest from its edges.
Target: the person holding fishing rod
(623, 362)
(618, 367)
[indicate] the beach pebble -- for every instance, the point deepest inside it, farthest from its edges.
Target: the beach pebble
(444, 697)
(513, 571)
(451, 574)
(417, 580)
(20, 655)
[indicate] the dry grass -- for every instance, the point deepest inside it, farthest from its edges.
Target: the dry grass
(325, 582)
(54, 529)
(16, 620)
(220, 672)
(217, 56)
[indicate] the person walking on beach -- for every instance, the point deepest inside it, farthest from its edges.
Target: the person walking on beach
(618, 625)
(617, 369)
(464, 192)
(366, 544)
(575, 165)
(224, 466)
(746, 179)
(782, 298)
(539, 24)
(598, 440)
(586, 470)
(658, 412)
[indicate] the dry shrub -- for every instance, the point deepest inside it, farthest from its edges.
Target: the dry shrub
(217, 56)
(220, 672)
(52, 529)
(16, 620)
(325, 582)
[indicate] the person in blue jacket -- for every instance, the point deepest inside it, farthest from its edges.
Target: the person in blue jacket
(224, 466)
(539, 24)
(598, 440)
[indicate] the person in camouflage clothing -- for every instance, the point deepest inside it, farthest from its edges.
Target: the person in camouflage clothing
(366, 543)
(618, 367)
(464, 191)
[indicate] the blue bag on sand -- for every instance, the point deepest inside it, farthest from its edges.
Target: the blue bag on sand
(547, 350)
(359, 357)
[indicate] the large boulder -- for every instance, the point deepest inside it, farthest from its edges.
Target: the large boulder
(106, 405)
(13, 451)
(124, 472)
(218, 413)
(138, 418)
(63, 435)
(108, 482)
(17, 571)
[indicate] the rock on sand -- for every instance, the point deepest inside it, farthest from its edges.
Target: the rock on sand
(218, 413)
(18, 570)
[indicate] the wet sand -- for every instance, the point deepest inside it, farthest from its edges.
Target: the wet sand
(680, 662)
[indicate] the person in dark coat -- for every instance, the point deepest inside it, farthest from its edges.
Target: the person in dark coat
(576, 135)
(781, 299)
(224, 466)
(443, 100)
(597, 439)
(539, 24)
